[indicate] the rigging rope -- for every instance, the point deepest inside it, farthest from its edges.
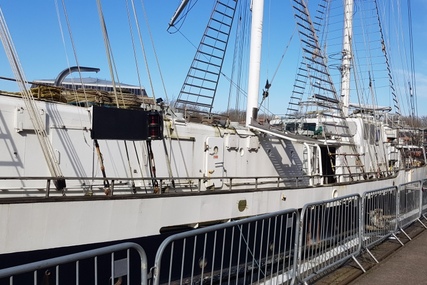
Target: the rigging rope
(139, 165)
(411, 48)
(108, 50)
(283, 55)
(143, 49)
(241, 37)
(72, 45)
(130, 168)
(384, 50)
(154, 51)
(133, 45)
(30, 105)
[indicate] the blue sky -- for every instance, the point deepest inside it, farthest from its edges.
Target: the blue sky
(37, 37)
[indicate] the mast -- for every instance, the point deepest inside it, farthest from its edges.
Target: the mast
(346, 55)
(255, 60)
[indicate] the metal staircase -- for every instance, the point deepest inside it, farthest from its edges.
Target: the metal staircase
(199, 88)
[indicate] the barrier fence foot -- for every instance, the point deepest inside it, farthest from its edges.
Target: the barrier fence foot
(358, 263)
(395, 236)
(405, 234)
(373, 257)
(422, 223)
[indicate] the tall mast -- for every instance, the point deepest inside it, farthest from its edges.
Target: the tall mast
(346, 55)
(255, 60)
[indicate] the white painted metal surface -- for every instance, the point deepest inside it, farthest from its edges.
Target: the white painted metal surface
(255, 58)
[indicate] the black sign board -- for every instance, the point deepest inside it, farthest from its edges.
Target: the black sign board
(119, 124)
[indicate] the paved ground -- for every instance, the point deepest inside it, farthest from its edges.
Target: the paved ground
(406, 266)
(397, 264)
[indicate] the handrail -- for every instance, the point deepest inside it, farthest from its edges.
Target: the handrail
(182, 184)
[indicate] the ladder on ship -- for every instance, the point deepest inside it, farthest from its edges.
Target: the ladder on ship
(200, 85)
(324, 103)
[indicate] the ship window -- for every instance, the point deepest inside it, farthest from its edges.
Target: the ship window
(292, 127)
(309, 126)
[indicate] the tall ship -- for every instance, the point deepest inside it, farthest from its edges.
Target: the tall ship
(87, 162)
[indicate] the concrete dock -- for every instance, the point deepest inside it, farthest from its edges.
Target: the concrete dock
(407, 265)
(397, 264)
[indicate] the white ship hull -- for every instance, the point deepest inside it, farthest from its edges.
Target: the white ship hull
(84, 214)
(52, 224)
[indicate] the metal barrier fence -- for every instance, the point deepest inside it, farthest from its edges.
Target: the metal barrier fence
(275, 248)
(85, 268)
(380, 215)
(329, 234)
(409, 204)
(424, 198)
(252, 250)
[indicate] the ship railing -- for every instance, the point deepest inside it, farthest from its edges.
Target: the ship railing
(106, 265)
(246, 251)
(89, 186)
(15, 187)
